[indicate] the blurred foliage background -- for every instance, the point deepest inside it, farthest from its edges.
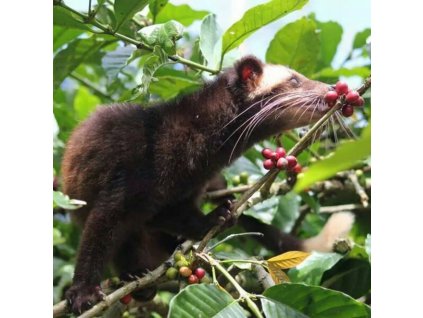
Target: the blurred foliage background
(96, 63)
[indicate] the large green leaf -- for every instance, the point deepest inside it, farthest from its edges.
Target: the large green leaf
(65, 18)
(255, 18)
(330, 34)
(211, 40)
(77, 52)
(360, 38)
(273, 308)
(204, 300)
(318, 302)
(311, 270)
(361, 71)
(85, 103)
(287, 212)
(164, 35)
(63, 35)
(168, 86)
(351, 276)
(156, 6)
(296, 45)
(113, 62)
(346, 156)
(126, 9)
(184, 14)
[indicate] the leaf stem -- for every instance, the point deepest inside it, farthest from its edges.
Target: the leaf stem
(262, 263)
(243, 295)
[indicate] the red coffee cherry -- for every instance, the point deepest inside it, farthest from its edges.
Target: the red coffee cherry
(347, 110)
(282, 163)
(292, 161)
(274, 156)
(359, 102)
(268, 164)
(267, 153)
(352, 96)
(297, 169)
(199, 272)
(193, 279)
(126, 299)
(331, 97)
(280, 152)
(341, 88)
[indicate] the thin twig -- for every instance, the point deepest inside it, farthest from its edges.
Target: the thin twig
(225, 192)
(359, 189)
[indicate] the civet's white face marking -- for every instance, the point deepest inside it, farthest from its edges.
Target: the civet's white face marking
(272, 76)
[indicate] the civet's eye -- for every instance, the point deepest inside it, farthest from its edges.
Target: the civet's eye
(295, 81)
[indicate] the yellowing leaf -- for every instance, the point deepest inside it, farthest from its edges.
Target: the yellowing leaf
(288, 259)
(277, 274)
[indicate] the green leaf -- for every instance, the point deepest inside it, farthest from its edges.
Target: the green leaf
(65, 202)
(65, 18)
(330, 34)
(153, 62)
(317, 302)
(156, 6)
(255, 18)
(355, 71)
(126, 9)
(63, 35)
(352, 276)
(164, 35)
(274, 308)
(211, 40)
(85, 103)
(311, 270)
(287, 212)
(204, 300)
(77, 52)
(113, 62)
(360, 38)
(296, 45)
(184, 14)
(168, 86)
(346, 156)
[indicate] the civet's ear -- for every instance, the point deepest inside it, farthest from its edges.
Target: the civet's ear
(249, 69)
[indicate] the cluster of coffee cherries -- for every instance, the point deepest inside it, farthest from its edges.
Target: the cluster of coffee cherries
(352, 98)
(278, 158)
(184, 268)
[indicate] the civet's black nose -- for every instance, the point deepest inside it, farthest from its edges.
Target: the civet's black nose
(331, 87)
